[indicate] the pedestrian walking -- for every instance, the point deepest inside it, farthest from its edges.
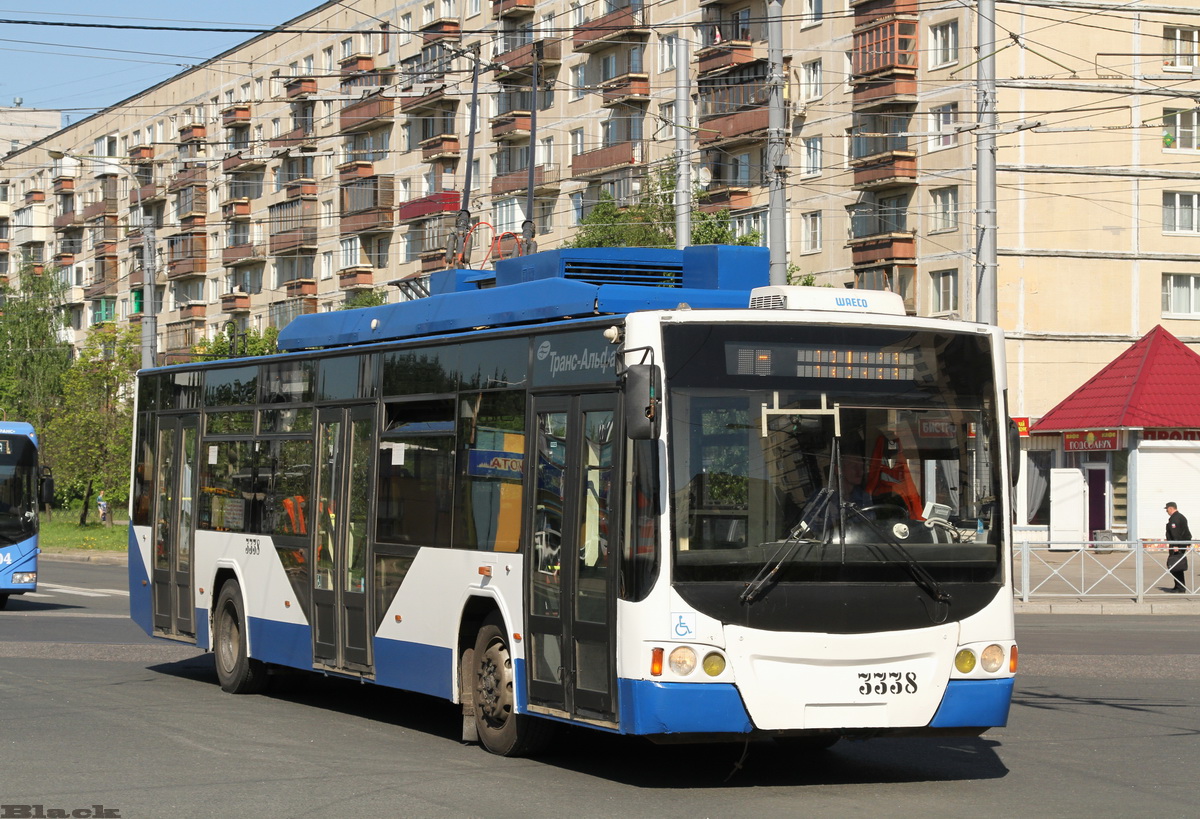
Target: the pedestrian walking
(1179, 538)
(102, 507)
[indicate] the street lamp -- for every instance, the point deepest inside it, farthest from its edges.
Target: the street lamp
(149, 317)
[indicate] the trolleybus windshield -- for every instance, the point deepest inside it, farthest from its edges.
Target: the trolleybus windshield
(18, 488)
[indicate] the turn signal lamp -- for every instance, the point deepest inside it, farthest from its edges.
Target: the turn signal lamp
(964, 661)
(656, 662)
(714, 664)
(1012, 659)
(992, 658)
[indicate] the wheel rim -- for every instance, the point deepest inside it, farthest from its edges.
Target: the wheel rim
(230, 638)
(493, 693)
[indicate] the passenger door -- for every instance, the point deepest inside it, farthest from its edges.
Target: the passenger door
(341, 570)
(571, 555)
(174, 525)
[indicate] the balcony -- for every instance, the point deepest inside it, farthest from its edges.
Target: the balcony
(193, 132)
(300, 189)
(147, 193)
(141, 153)
(625, 89)
(446, 28)
(511, 126)
(298, 88)
(731, 194)
(193, 310)
(432, 99)
(188, 258)
(727, 54)
(873, 93)
(520, 58)
(181, 336)
(367, 205)
(885, 170)
(235, 302)
(34, 197)
(545, 177)
(63, 184)
(188, 177)
(609, 158)
(66, 220)
(356, 64)
(444, 146)
(297, 288)
(235, 209)
(356, 278)
(303, 137)
(882, 247)
(889, 47)
(236, 255)
(741, 126)
(105, 206)
(513, 8)
(236, 116)
(294, 240)
(431, 205)
(616, 25)
(241, 161)
(367, 113)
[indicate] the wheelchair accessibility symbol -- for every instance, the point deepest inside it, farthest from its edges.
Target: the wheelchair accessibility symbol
(683, 624)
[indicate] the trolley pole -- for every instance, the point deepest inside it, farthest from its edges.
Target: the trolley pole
(776, 159)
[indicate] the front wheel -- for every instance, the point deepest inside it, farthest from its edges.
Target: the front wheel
(501, 730)
(236, 670)
(3, 601)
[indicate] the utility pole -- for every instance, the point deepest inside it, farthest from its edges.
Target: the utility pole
(683, 146)
(986, 311)
(776, 158)
(528, 227)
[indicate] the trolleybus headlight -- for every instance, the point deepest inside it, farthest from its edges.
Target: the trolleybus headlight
(682, 661)
(24, 577)
(964, 661)
(992, 658)
(713, 664)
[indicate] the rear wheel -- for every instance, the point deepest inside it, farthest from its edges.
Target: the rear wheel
(501, 730)
(236, 670)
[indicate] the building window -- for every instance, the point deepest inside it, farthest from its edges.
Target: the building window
(810, 81)
(814, 11)
(1180, 294)
(943, 46)
(576, 209)
(510, 215)
(752, 224)
(576, 142)
(810, 232)
(578, 81)
(945, 210)
(812, 156)
(944, 291)
(1180, 48)
(1179, 129)
(1180, 212)
(327, 264)
(944, 122)
(666, 52)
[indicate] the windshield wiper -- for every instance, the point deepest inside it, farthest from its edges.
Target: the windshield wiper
(814, 511)
(919, 574)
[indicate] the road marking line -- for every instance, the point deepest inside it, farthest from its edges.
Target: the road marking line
(72, 590)
(122, 592)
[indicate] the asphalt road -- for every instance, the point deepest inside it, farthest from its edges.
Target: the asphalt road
(93, 713)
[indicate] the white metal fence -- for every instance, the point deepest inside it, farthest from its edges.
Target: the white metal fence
(1133, 570)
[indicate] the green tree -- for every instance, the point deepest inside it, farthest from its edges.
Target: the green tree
(236, 344)
(365, 298)
(34, 353)
(92, 433)
(650, 221)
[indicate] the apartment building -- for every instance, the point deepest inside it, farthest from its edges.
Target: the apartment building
(331, 156)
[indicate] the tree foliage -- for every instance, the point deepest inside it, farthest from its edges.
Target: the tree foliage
(236, 344)
(92, 433)
(34, 352)
(365, 298)
(650, 220)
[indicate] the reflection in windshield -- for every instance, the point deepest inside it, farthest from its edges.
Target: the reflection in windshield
(18, 494)
(827, 478)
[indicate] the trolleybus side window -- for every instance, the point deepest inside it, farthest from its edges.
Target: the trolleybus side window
(491, 435)
(416, 473)
(346, 377)
(414, 372)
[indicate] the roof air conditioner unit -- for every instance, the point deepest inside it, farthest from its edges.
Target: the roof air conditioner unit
(796, 297)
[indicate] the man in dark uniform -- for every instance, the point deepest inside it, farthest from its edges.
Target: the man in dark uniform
(1178, 535)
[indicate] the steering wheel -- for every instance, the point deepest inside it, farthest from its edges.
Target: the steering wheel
(896, 511)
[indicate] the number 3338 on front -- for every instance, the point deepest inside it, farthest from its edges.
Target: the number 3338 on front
(879, 683)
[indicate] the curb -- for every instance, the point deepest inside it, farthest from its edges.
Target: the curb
(1116, 607)
(84, 556)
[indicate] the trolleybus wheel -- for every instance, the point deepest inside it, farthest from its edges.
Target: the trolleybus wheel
(236, 670)
(3, 601)
(501, 730)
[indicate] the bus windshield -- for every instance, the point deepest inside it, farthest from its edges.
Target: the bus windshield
(18, 488)
(831, 454)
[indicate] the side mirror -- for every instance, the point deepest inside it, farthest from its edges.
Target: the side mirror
(643, 387)
(46, 490)
(1014, 452)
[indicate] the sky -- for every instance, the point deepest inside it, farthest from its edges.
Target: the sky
(81, 70)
